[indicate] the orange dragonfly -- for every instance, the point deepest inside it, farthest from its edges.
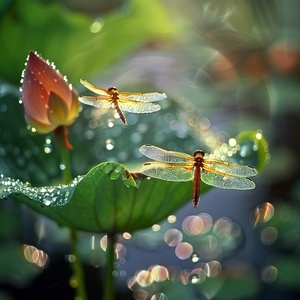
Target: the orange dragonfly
(177, 166)
(128, 101)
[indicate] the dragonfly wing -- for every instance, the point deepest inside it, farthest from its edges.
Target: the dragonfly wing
(227, 182)
(138, 107)
(159, 154)
(95, 101)
(166, 172)
(144, 97)
(94, 88)
(228, 168)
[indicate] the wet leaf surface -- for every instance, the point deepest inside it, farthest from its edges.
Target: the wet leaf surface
(105, 200)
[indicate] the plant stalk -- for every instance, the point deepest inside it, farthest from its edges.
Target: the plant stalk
(77, 281)
(109, 284)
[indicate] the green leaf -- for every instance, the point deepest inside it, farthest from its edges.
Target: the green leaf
(66, 37)
(106, 200)
(254, 149)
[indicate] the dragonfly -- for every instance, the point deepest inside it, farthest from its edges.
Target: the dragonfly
(122, 101)
(177, 166)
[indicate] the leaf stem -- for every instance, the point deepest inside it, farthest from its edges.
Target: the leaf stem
(77, 280)
(109, 285)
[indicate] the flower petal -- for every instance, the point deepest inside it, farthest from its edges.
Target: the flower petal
(49, 77)
(49, 101)
(58, 111)
(35, 98)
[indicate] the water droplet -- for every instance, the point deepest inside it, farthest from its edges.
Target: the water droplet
(197, 276)
(195, 257)
(62, 166)
(159, 273)
(192, 225)
(156, 227)
(144, 278)
(110, 123)
(159, 296)
(48, 196)
(171, 219)
(213, 268)
(269, 235)
(173, 237)
(263, 213)
(184, 250)
(109, 144)
(269, 274)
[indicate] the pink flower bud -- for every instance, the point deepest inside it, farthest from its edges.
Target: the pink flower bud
(49, 100)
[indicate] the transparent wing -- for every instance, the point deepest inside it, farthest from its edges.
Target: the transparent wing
(159, 154)
(143, 97)
(94, 88)
(166, 171)
(95, 101)
(138, 107)
(227, 168)
(227, 182)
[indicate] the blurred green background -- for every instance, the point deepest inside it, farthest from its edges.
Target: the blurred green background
(227, 67)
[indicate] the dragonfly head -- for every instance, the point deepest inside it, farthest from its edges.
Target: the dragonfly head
(198, 154)
(112, 89)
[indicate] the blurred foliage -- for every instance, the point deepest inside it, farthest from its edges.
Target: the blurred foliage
(68, 39)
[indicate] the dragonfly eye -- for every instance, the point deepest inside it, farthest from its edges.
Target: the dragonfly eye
(112, 89)
(199, 153)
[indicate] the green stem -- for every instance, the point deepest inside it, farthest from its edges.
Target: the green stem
(77, 281)
(109, 285)
(65, 165)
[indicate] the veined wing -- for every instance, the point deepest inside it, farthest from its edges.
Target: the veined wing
(95, 101)
(143, 97)
(138, 107)
(96, 89)
(166, 171)
(228, 168)
(159, 154)
(227, 182)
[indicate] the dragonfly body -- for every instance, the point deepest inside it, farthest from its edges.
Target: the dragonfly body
(113, 92)
(122, 101)
(177, 166)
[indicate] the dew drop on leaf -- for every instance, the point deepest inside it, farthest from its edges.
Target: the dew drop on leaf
(48, 195)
